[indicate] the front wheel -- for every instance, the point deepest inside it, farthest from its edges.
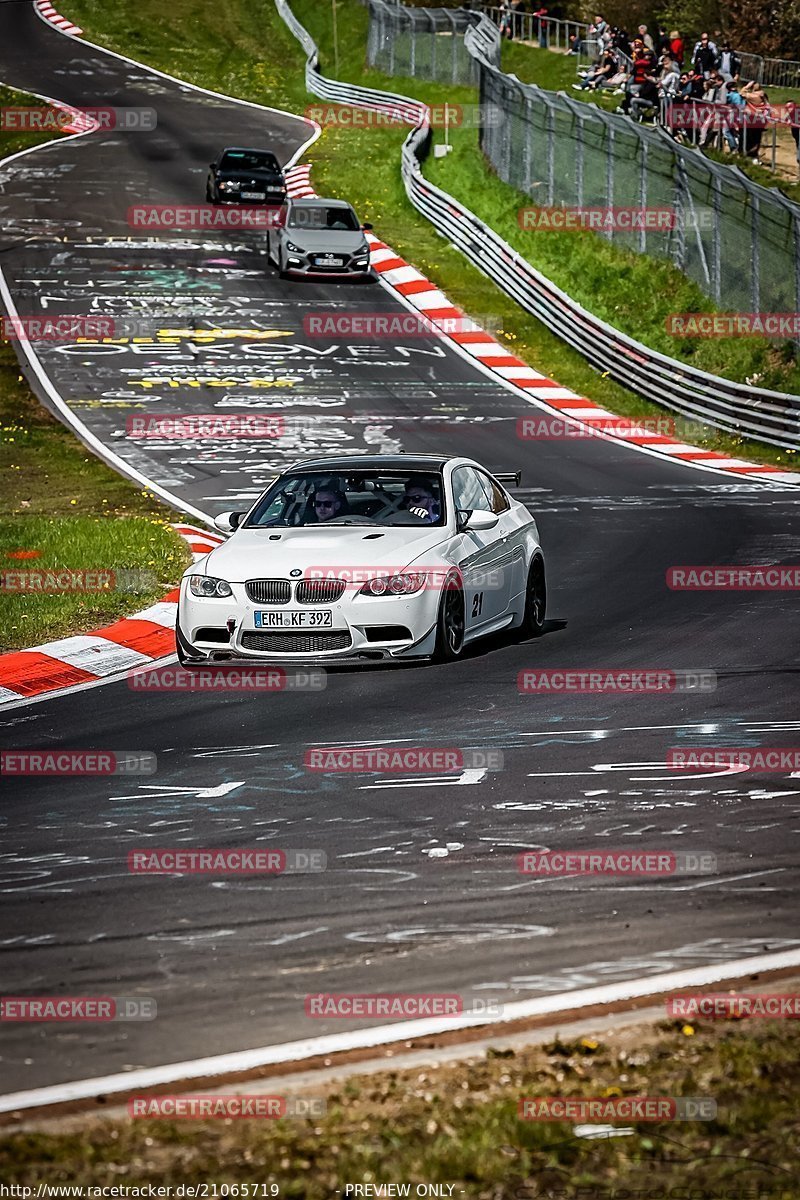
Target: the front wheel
(535, 601)
(450, 622)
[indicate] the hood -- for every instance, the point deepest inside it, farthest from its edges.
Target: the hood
(344, 240)
(249, 553)
(268, 177)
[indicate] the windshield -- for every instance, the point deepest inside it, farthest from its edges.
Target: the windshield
(250, 160)
(352, 498)
(320, 216)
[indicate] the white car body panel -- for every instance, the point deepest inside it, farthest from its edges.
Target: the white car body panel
(492, 564)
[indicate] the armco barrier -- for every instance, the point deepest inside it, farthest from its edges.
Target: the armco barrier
(767, 416)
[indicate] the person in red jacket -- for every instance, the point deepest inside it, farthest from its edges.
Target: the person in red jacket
(676, 46)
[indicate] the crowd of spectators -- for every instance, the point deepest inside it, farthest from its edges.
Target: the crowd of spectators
(695, 92)
(659, 83)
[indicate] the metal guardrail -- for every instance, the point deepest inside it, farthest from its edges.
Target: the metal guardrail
(768, 416)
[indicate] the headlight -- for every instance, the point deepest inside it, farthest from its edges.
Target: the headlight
(207, 585)
(393, 585)
(231, 186)
(294, 249)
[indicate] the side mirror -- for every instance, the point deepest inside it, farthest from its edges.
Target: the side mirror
(366, 225)
(480, 519)
(227, 522)
(212, 165)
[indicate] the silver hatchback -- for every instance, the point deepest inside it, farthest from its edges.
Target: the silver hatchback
(319, 237)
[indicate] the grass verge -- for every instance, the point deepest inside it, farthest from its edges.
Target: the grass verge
(458, 1126)
(252, 55)
(60, 507)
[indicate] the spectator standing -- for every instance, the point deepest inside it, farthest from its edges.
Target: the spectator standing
(505, 19)
(729, 63)
(705, 55)
(541, 20)
(668, 78)
(755, 116)
(516, 17)
(793, 114)
(646, 39)
(676, 47)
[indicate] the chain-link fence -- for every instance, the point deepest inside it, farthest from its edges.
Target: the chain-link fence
(738, 241)
(425, 43)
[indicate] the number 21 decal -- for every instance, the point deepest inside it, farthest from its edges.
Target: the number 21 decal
(477, 604)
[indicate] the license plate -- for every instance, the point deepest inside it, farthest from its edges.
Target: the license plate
(313, 619)
(254, 195)
(329, 260)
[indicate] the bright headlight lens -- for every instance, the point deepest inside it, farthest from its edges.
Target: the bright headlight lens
(204, 586)
(230, 185)
(293, 249)
(393, 585)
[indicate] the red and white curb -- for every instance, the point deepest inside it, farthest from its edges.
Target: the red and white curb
(419, 293)
(88, 657)
(46, 10)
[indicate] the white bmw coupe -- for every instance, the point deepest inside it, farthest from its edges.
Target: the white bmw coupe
(358, 559)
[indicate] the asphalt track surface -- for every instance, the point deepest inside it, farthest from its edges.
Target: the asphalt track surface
(229, 960)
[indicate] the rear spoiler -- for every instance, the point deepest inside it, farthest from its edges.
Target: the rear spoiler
(508, 477)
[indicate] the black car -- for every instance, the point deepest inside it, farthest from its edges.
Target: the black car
(243, 175)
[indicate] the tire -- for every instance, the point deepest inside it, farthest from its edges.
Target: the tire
(450, 622)
(535, 601)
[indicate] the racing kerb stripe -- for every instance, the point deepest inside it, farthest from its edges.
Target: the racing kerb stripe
(423, 295)
(85, 658)
(45, 9)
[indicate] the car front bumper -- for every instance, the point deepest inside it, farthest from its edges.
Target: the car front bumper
(363, 628)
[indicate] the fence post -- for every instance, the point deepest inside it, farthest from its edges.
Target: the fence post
(755, 258)
(579, 151)
(551, 153)
(609, 233)
(797, 271)
(527, 156)
(643, 191)
(431, 31)
(413, 63)
(680, 186)
(716, 241)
